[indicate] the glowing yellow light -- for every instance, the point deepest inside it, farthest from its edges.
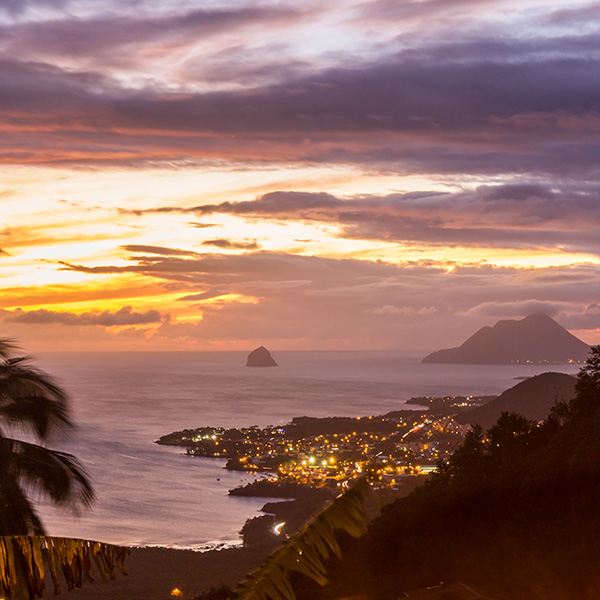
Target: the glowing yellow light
(177, 593)
(277, 529)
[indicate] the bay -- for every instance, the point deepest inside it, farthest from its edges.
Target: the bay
(150, 495)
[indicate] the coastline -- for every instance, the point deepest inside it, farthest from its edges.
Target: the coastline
(152, 573)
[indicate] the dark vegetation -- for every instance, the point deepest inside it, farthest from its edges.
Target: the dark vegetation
(273, 488)
(31, 403)
(304, 502)
(450, 405)
(515, 511)
(302, 427)
(532, 398)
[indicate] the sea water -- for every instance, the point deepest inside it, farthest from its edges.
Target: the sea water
(153, 495)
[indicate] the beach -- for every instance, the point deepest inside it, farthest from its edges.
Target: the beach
(152, 573)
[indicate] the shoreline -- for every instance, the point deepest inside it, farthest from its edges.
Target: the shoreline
(210, 547)
(152, 573)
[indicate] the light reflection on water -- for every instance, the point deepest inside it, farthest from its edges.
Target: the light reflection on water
(155, 495)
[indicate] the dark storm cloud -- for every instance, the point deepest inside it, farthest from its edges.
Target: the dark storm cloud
(484, 107)
(124, 316)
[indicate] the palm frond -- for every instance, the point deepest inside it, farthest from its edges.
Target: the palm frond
(57, 474)
(308, 550)
(31, 398)
(7, 347)
(28, 562)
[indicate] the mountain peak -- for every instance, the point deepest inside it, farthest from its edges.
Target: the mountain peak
(537, 338)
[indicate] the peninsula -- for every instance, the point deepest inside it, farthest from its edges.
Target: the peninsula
(328, 451)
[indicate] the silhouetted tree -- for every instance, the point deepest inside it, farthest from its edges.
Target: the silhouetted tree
(514, 510)
(32, 403)
(587, 389)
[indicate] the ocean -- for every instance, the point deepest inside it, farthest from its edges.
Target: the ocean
(151, 495)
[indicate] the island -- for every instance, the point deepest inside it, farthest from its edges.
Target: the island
(260, 357)
(535, 339)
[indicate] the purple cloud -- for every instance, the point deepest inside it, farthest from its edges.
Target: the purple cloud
(108, 35)
(515, 215)
(482, 107)
(124, 316)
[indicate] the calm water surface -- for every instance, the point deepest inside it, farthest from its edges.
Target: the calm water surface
(155, 495)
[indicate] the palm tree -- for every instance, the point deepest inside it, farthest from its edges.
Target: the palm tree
(31, 403)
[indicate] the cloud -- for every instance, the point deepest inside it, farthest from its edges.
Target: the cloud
(160, 250)
(107, 35)
(124, 316)
(515, 215)
(509, 310)
(18, 7)
(231, 245)
(194, 224)
(482, 107)
(389, 309)
(588, 319)
(310, 301)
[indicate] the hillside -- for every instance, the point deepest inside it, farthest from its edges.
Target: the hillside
(514, 512)
(532, 398)
(536, 338)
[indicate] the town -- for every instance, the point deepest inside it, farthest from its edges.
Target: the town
(330, 451)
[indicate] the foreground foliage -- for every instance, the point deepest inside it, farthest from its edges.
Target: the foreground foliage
(32, 403)
(28, 562)
(515, 511)
(307, 551)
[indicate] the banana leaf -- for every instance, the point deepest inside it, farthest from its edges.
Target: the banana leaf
(28, 562)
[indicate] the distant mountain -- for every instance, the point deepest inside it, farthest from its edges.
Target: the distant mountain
(260, 357)
(536, 338)
(532, 398)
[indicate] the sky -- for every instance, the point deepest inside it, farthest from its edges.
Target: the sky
(350, 174)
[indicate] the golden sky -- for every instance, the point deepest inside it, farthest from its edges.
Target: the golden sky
(371, 175)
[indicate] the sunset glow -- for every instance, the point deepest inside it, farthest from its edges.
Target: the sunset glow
(376, 175)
